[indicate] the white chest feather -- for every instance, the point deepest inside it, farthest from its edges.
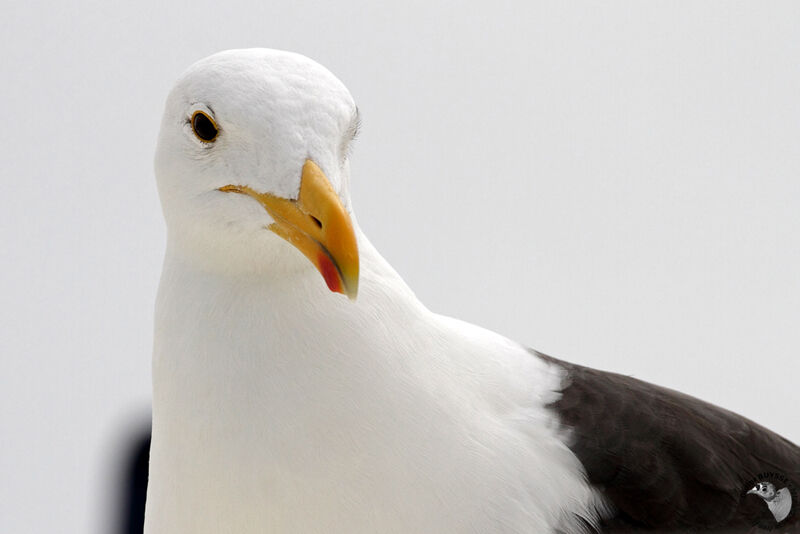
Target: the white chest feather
(280, 407)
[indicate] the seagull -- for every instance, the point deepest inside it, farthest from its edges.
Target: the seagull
(779, 502)
(300, 386)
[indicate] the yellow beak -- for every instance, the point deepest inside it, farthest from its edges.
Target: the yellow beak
(317, 224)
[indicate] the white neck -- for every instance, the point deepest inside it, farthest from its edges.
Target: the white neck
(279, 406)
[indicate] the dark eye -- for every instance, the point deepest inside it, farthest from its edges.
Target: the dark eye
(204, 127)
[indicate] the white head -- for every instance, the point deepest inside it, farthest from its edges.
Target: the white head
(764, 489)
(263, 123)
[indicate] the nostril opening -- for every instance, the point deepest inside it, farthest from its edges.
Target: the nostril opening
(316, 221)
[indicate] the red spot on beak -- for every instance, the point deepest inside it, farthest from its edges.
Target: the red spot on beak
(329, 273)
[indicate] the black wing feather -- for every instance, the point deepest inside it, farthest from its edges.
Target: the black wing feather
(668, 461)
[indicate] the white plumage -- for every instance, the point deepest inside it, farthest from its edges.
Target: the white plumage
(282, 407)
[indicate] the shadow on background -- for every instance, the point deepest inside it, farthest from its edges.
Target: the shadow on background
(134, 485)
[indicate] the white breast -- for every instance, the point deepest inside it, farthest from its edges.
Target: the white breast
(280, 407)
(781, 505)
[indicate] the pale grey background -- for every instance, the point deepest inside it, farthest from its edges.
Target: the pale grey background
(615, 183)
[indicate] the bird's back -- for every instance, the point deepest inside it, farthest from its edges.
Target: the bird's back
(668, 461)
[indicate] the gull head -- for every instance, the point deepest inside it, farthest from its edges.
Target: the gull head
(252, 167)
(765, 490)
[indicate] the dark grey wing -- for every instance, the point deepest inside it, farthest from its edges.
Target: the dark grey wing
(668, 461)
